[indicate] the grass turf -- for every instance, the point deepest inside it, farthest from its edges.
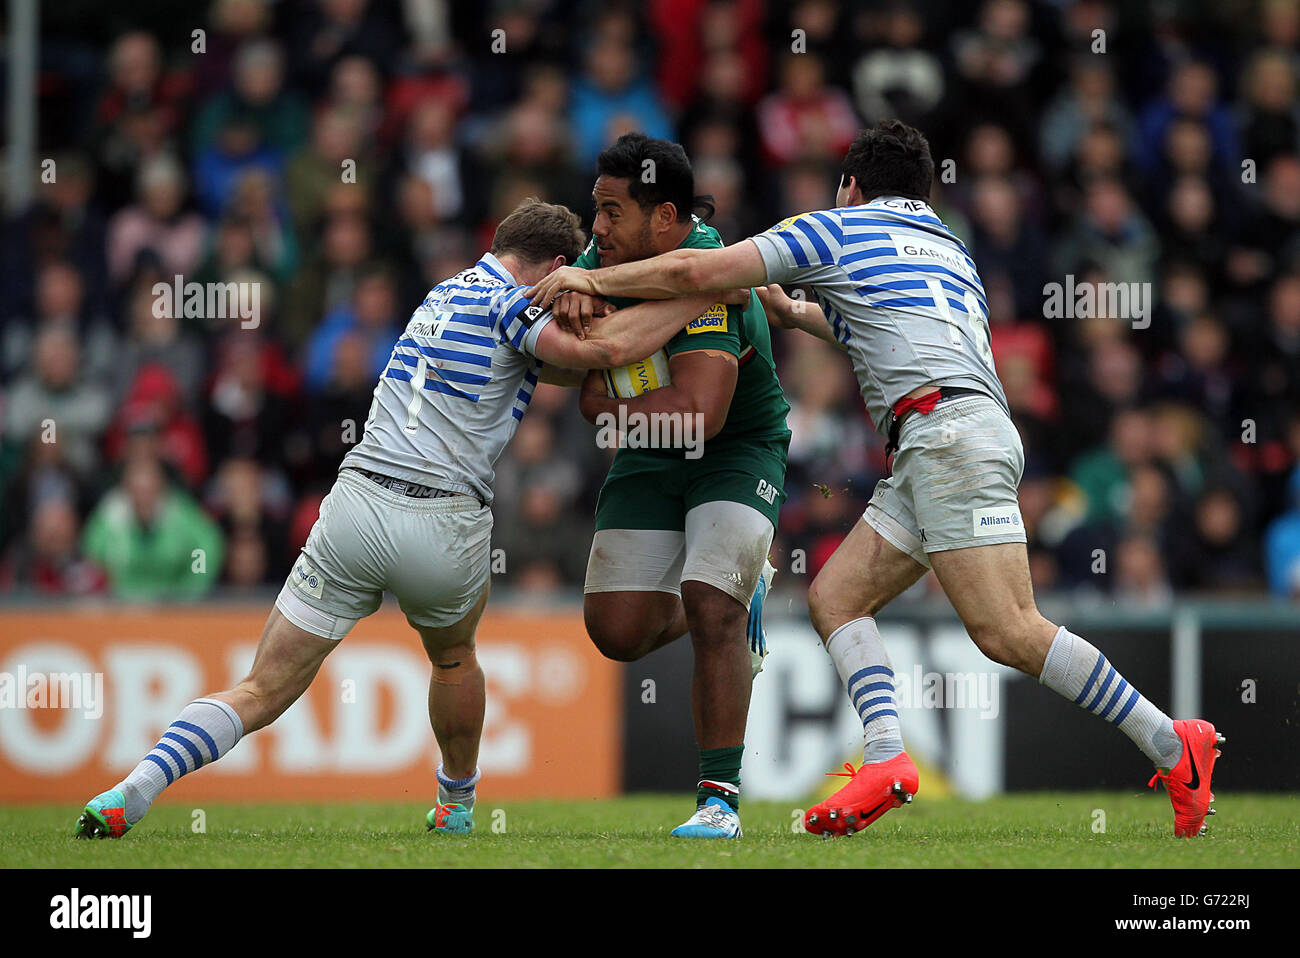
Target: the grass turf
(1044, 830)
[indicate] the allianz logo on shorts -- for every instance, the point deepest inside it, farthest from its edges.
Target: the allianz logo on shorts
(996, 520)
(308, 579)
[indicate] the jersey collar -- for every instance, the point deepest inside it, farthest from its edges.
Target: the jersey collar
(492, 266)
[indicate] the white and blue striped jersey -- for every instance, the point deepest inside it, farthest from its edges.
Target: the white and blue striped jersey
(900, 291)
(457, 384)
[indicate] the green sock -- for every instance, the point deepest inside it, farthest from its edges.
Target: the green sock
(720, 774)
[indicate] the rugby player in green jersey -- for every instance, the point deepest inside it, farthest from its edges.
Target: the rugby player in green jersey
(682, 535)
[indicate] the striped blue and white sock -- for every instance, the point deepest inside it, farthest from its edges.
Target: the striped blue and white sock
(859, 655)
(204, 731)
(459, 791)
(1075, 669)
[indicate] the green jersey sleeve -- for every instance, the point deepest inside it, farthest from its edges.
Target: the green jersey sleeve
(718, 327)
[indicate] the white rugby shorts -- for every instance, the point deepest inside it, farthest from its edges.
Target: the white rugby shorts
(724, 545)
(956, 475)
(433, 554)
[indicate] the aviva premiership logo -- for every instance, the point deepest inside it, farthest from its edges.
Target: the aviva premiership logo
(785, 224)
(714, 319)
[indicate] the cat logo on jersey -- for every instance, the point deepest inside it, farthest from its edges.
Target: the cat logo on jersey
(714, 319)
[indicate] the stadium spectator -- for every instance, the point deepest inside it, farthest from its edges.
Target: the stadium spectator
(60, 302)
(258, 101)
(62, 224)
(252, 402)
(316, 168)
(1004, 244)
(233, 22)
(1140, 577)
(49, 562)
(251, 502)
(153, 418)
(1192, 94)
(896, 76)
(158, 222)
(327, 279)
(1223, 556)
(330, 30)
(337, 413)
(156, 336)
(139, 114)
(611, 98)
(55, 404)
(371, 319)
(996, 62)
(544, 545)
(1088, 101)
(1112, 233)
(805, 119)
(1271, 117)
(152, 539)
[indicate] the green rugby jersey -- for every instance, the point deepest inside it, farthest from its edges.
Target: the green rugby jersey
(758, 407)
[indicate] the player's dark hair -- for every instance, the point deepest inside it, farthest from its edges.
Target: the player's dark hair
(538, 232)
(890, 159)
(657, 171)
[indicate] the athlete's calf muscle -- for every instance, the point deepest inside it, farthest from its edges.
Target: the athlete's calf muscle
(287, 660)
(991, 590)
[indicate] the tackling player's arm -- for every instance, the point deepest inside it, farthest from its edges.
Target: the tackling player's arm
(703, 381)
(789, 313)
(621, 337)
(677, 273)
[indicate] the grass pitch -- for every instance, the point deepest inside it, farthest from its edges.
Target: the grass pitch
(1046, 830)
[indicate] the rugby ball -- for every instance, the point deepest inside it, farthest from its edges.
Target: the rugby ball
(637, 378)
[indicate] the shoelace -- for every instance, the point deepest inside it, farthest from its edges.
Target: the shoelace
(849, 773)
(712, 815)
(1160, 776)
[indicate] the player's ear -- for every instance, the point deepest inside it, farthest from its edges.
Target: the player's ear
(665, 216)
(557, 263)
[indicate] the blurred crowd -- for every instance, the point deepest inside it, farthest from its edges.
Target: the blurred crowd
(348, 154)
